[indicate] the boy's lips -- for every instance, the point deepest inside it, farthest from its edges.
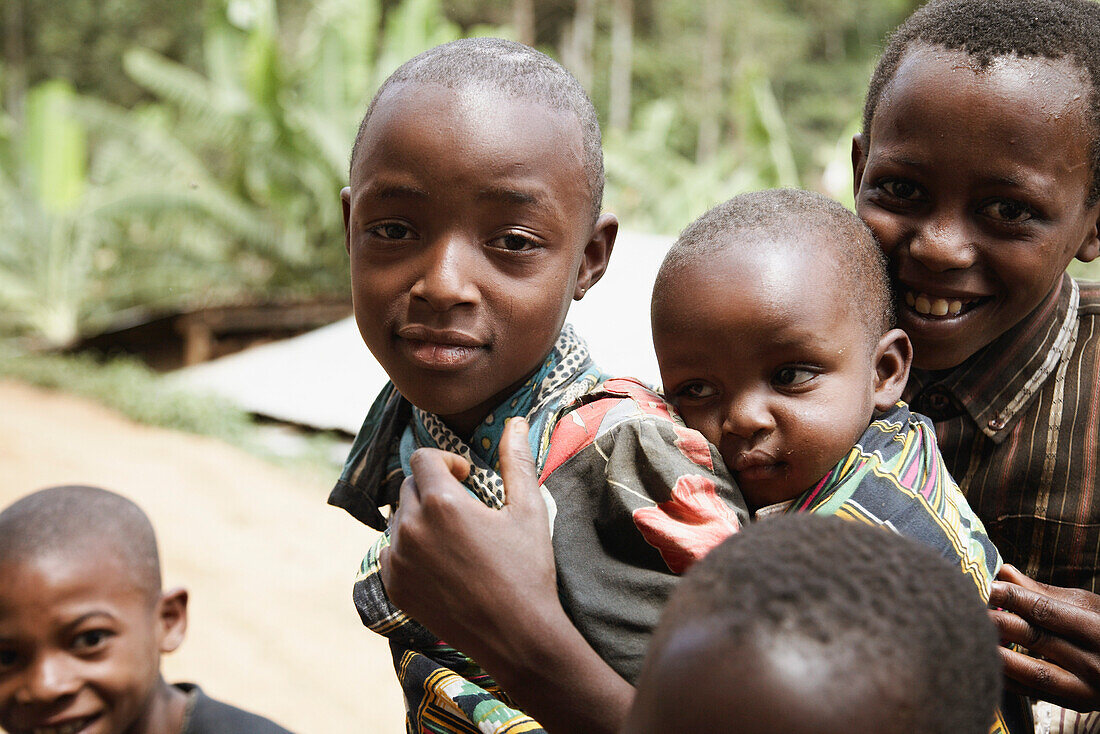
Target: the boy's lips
(68, 725)
(439, 349)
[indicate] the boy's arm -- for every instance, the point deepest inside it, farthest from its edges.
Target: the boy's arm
(1062, 625)
(484, 580)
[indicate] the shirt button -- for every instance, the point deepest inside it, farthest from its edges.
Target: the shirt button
(939, 402)
(996, 423)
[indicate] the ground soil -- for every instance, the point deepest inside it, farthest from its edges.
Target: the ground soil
(268, 564)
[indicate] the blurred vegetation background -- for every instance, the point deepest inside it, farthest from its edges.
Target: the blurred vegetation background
(159, 154)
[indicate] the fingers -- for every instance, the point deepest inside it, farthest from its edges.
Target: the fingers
(433, 467)
(1040, 679)
(1058, 616)
(517, 466)
(1037, 640)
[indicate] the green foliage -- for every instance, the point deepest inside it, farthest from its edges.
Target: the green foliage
(132, 389)
(219, 176)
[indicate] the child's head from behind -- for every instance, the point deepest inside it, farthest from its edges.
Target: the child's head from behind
(978, 168)
(815, 624)
(472, 221)
(83, 620)
(772, 324)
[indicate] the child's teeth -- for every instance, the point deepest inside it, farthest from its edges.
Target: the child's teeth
(928, 305)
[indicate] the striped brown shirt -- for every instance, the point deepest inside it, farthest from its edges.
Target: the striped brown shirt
(1017, 424)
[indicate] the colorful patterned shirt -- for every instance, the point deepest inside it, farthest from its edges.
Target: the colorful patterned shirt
(1017, 425)
(634, 497)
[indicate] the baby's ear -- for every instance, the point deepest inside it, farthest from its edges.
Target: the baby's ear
(345, 202)
(597, 253)
(172, 618)
(892, 359)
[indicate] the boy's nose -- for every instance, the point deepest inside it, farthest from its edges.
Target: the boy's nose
(49, 678)
(943, 244)
(447, 278)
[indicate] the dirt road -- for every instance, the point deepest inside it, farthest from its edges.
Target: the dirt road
(268, 564)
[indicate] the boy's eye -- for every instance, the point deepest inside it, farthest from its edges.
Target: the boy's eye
(792, 376)
(1007, 210)
(91, 640)
(901, 189)
(513, 242)
(695, 391)
(392, 231)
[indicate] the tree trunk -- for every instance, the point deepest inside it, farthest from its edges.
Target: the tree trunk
(579, 39)
(14, 58)
(622, 62)
(710, 82)
(523, 18)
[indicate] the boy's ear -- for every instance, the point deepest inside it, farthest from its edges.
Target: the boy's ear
(859, 161)
(345, 202)
(172, 618)
(1090, 248)
(892, 359)
(596, 254)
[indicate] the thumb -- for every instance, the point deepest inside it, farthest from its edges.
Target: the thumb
(517, 466)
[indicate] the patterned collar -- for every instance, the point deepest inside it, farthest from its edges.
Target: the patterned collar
(999, 381)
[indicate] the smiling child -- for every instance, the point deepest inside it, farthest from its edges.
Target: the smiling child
(472, 221)
(977, 170)
(83, 623)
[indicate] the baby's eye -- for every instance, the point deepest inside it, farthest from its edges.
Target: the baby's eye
(8, 659)
(91, 640)
(899, 188)
(792, 376)
(514, 242)
(392, 231)
(695, 391)
(1007, 210)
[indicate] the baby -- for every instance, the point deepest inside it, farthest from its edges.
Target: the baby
(809, 624)
(772, 323)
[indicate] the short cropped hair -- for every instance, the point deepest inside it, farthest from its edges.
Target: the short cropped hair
(518, 72)
(990, 29)
(84, 522)
(791, 214)
(892, 610)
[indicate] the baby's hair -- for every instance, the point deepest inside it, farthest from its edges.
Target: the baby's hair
(790, 215)
(515, 70)
(84, 522)
(990, 29)
(892, 611)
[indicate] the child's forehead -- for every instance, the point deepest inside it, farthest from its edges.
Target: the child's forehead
(478, 105)
(425, 129)
(60, 577)
(1044, 85)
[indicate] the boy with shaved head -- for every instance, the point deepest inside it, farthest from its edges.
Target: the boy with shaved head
(83, 623)
(472, 221)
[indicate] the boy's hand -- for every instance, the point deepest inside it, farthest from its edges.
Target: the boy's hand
(484, 581)
(462, 569)
(1061, 625)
